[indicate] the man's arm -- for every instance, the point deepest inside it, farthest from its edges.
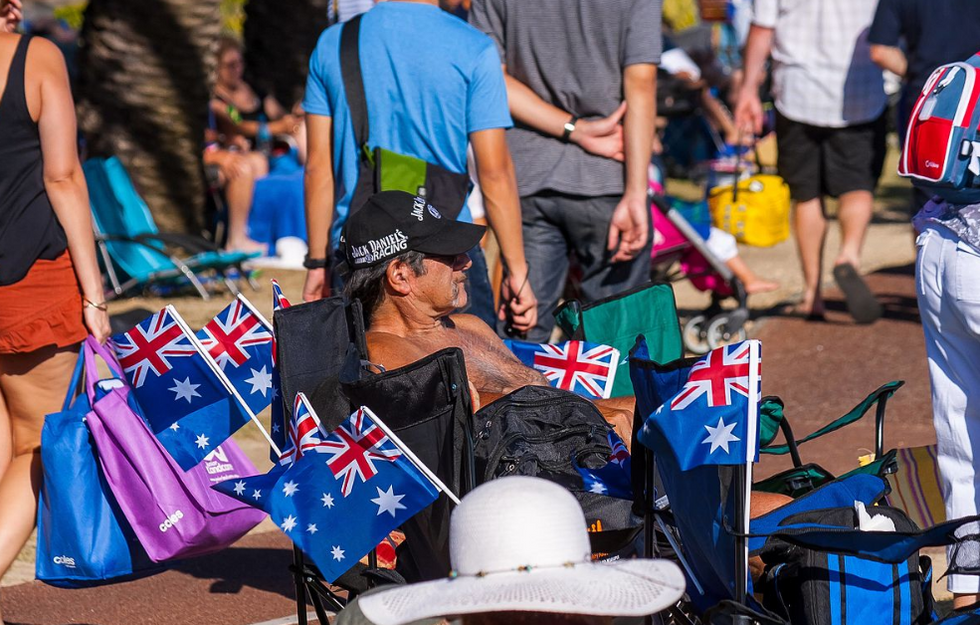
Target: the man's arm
(499, 185)
(629, 227)
(890, 24)
(748, 109)
(890, 58)
(319, 200)
(602, 137)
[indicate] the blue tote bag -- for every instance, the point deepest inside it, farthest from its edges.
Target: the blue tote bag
(83, 538)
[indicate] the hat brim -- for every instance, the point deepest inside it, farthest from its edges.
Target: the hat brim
(456, 237)
(623, 588)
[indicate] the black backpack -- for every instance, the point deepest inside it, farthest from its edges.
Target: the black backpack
(537, 431)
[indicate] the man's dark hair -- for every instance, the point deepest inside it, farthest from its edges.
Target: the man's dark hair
(368, 284)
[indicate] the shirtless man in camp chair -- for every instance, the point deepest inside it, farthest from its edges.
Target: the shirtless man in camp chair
(407, 268)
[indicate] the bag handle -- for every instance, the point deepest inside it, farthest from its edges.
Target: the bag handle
(91, 349)
(75, 378)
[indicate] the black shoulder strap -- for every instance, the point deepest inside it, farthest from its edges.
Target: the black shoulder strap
(350, 69)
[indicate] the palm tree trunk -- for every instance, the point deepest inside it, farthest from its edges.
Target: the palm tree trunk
(143, 85)
(279, 37)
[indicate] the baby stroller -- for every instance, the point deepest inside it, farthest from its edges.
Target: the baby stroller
(681, 250)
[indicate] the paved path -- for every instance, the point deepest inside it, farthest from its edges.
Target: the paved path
(820, 370)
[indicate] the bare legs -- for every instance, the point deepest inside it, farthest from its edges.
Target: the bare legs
(239, 189)
(31, 386)
(810, 227)
(750, 280)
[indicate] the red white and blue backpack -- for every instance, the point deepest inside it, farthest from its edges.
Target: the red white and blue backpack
(942, 144)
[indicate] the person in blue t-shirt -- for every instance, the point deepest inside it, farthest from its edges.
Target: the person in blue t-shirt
(432, 84)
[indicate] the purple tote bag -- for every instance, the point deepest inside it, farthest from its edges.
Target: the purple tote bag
(174, 513)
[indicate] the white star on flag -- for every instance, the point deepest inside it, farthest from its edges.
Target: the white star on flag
(597, 488)
(311, 528)
(327, 500)
(174, 426)
(240, 487)
(337, 553)
(275, 428)
(288, 523)
(275, 392)
(261, 381)
(289, 488)
(257, 494)
(184, 390)
(388, 501)
(720, 435)
(202, 441)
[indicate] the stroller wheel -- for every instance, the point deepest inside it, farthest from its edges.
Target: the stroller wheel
(719, 333)
(695, 335)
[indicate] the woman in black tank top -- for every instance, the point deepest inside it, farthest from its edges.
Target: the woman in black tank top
(51, 292)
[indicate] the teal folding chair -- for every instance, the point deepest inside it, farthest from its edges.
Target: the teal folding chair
(133, 250)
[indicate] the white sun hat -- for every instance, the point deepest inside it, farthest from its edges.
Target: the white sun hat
(519, 544)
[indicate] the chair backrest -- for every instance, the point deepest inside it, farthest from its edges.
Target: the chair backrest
(118, 213)
(702, 500)
(312, 341)
(428, 405)
(617, 321)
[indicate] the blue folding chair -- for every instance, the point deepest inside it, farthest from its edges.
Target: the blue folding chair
(133, 250)
(700, 513)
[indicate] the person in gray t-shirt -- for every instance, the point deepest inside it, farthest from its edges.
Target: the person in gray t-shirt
(575, 69)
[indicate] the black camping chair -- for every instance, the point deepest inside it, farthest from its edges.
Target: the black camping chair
(428, 406)
(312, 342)
(321, 351)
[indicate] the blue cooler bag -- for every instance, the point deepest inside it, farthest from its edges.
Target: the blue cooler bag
(83, 538)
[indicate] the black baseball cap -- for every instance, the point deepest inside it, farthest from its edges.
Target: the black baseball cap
(393, 222)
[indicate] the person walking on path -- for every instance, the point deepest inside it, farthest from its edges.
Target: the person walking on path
(947, 276)
(582, 176)
(432, 83)
(830, 130)
(50, 286)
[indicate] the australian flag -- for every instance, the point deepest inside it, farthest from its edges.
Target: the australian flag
(588, 369)
(337, 511)
(240, 342)
(305, 433)
(713, 418)
(614, 479)
(279, 302)
(181, 398)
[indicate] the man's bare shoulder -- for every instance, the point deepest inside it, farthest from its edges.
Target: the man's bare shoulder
(392, 351)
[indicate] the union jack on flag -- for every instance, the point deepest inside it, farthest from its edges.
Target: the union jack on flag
(228, 336)
(588, 369)
(149, 347)
(713, 416)
(716, 376)
(278, 299)
(355, 446)
(305, 433)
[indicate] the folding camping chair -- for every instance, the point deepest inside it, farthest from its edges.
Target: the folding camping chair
(803, 478)
(427, 404)
(703, 515)
(134, 252)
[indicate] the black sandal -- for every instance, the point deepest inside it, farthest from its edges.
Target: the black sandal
(861, 302)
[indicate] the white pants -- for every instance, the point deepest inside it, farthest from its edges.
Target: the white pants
(948, 288)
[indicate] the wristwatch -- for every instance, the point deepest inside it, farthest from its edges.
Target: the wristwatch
(570, 127)
(314, 263)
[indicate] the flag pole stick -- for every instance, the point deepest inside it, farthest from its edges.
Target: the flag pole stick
(255, 311)
(743, 474)
(413, 458)
(220, 374)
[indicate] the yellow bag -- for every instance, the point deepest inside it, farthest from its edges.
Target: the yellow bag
(756, 212)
